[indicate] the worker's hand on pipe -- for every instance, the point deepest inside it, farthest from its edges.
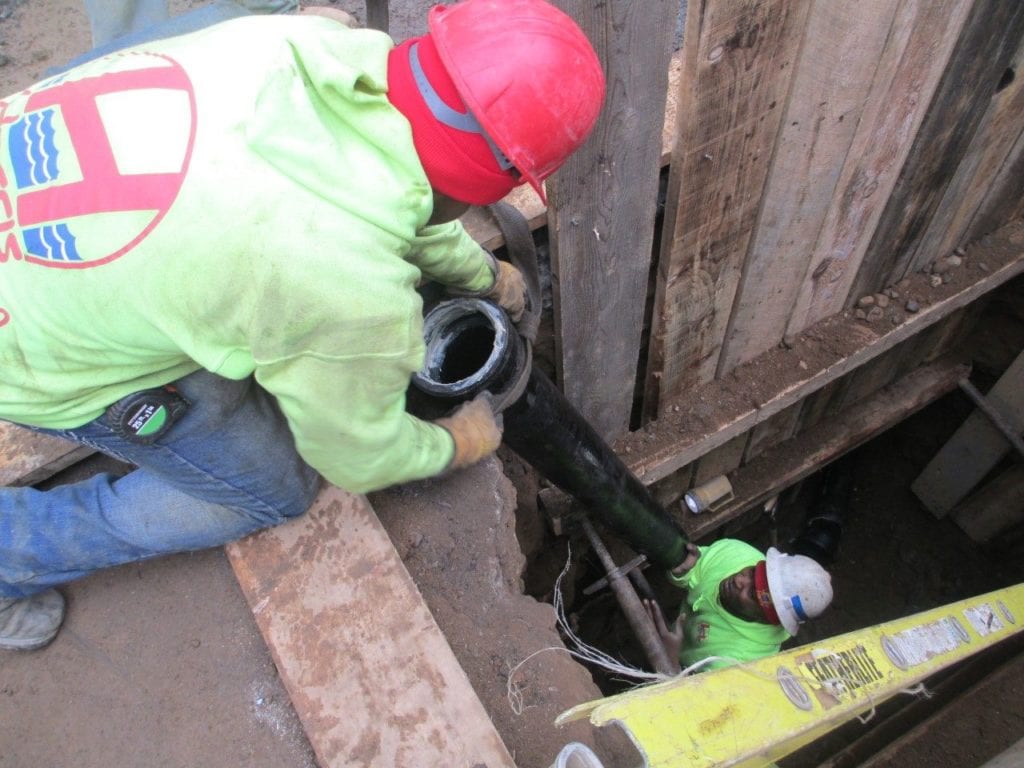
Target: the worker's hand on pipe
(474, 429)
(509, 290)
(672, 638)
(692, 555)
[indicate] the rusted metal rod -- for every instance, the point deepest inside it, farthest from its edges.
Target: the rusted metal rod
(993, 414)
(631, 605)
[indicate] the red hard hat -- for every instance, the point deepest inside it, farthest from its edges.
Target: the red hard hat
(527, 73)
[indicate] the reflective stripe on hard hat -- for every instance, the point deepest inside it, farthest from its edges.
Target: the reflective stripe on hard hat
(461, 121)
(798, 608)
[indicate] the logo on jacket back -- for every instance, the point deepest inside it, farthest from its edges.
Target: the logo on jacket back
(95, 162)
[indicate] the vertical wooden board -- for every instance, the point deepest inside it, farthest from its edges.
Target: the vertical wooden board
(910, 67)
(602, 209)
(974, 449)
(871, 377)
(842, 48)
(990, 150)
(722, 460)
(990, 37)
(371, 677)
(822, 404)
(738, 60)
(1005, 199)
(772, 431)
(995, 507)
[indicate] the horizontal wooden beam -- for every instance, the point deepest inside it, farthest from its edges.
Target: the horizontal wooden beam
(792, 460)
(699, 421)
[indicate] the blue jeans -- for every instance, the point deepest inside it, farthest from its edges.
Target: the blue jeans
(227, 468)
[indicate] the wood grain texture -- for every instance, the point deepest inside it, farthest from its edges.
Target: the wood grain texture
(979, 172)
(922, 37)
(369, 672)
(738, 61)
(842, 50)
(987, 43)
(602, 211)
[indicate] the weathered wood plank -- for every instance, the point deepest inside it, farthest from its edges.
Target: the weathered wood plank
(995, 507)
(738, 60)
(481, 226)
(990, 37)
(370, 674)
(801, 456)
(843, 48)
(992, 146)
(602, 209)
(680, 441)
(974, 449)
(1005, 200)
(922, 38)
(27, 457)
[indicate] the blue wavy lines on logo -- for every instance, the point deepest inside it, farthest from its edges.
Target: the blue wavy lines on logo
(33, 151)
(53, 242)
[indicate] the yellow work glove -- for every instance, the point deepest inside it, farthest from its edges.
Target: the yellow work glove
(509, 290)
(475, 431)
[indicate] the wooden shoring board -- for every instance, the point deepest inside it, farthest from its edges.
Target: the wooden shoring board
(995, 507)
(923, 34)
(372, 678)
(27, 457)
(602, 210)
(1005, 199)
(990, 37)
(738, 60)
(799, 457)
(844, 46)
(688, 442)
(992, 146)
(974, 449)
(479, 223)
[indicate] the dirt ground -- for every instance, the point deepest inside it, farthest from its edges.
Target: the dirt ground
(161, 664)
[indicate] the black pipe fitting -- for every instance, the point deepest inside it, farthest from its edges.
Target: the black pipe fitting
(472, 347)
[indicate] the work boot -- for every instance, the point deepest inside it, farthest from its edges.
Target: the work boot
(28, 623)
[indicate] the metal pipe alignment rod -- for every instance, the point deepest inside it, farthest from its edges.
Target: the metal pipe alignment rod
(473, 347)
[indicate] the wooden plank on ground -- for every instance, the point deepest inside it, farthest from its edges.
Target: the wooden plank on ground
(992, 146)
(371, 677)
(602, 209)
(789, 462)
(990, 37)
(975, 448)
(995, 507)
(923, 35)
(738, 60)
(27, 457)
(711, 415)
(843, 48)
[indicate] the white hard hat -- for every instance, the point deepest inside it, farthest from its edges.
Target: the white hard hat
(800, 588)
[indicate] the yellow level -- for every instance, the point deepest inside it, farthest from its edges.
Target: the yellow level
(755, 713)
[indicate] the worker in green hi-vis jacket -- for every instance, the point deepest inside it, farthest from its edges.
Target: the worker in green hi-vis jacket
(741, 605)
(211, 245)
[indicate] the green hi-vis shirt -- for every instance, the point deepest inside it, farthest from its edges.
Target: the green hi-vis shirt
(243, 199)
(709, 629)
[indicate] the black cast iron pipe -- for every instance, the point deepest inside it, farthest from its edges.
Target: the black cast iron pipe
(472, 347)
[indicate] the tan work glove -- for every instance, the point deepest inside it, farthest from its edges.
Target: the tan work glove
(509, 290)
(475, 431)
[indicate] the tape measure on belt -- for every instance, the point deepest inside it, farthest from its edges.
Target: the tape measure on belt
(145, 416)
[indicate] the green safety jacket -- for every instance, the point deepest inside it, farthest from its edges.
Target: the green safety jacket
(242, 199)
(709, 629)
